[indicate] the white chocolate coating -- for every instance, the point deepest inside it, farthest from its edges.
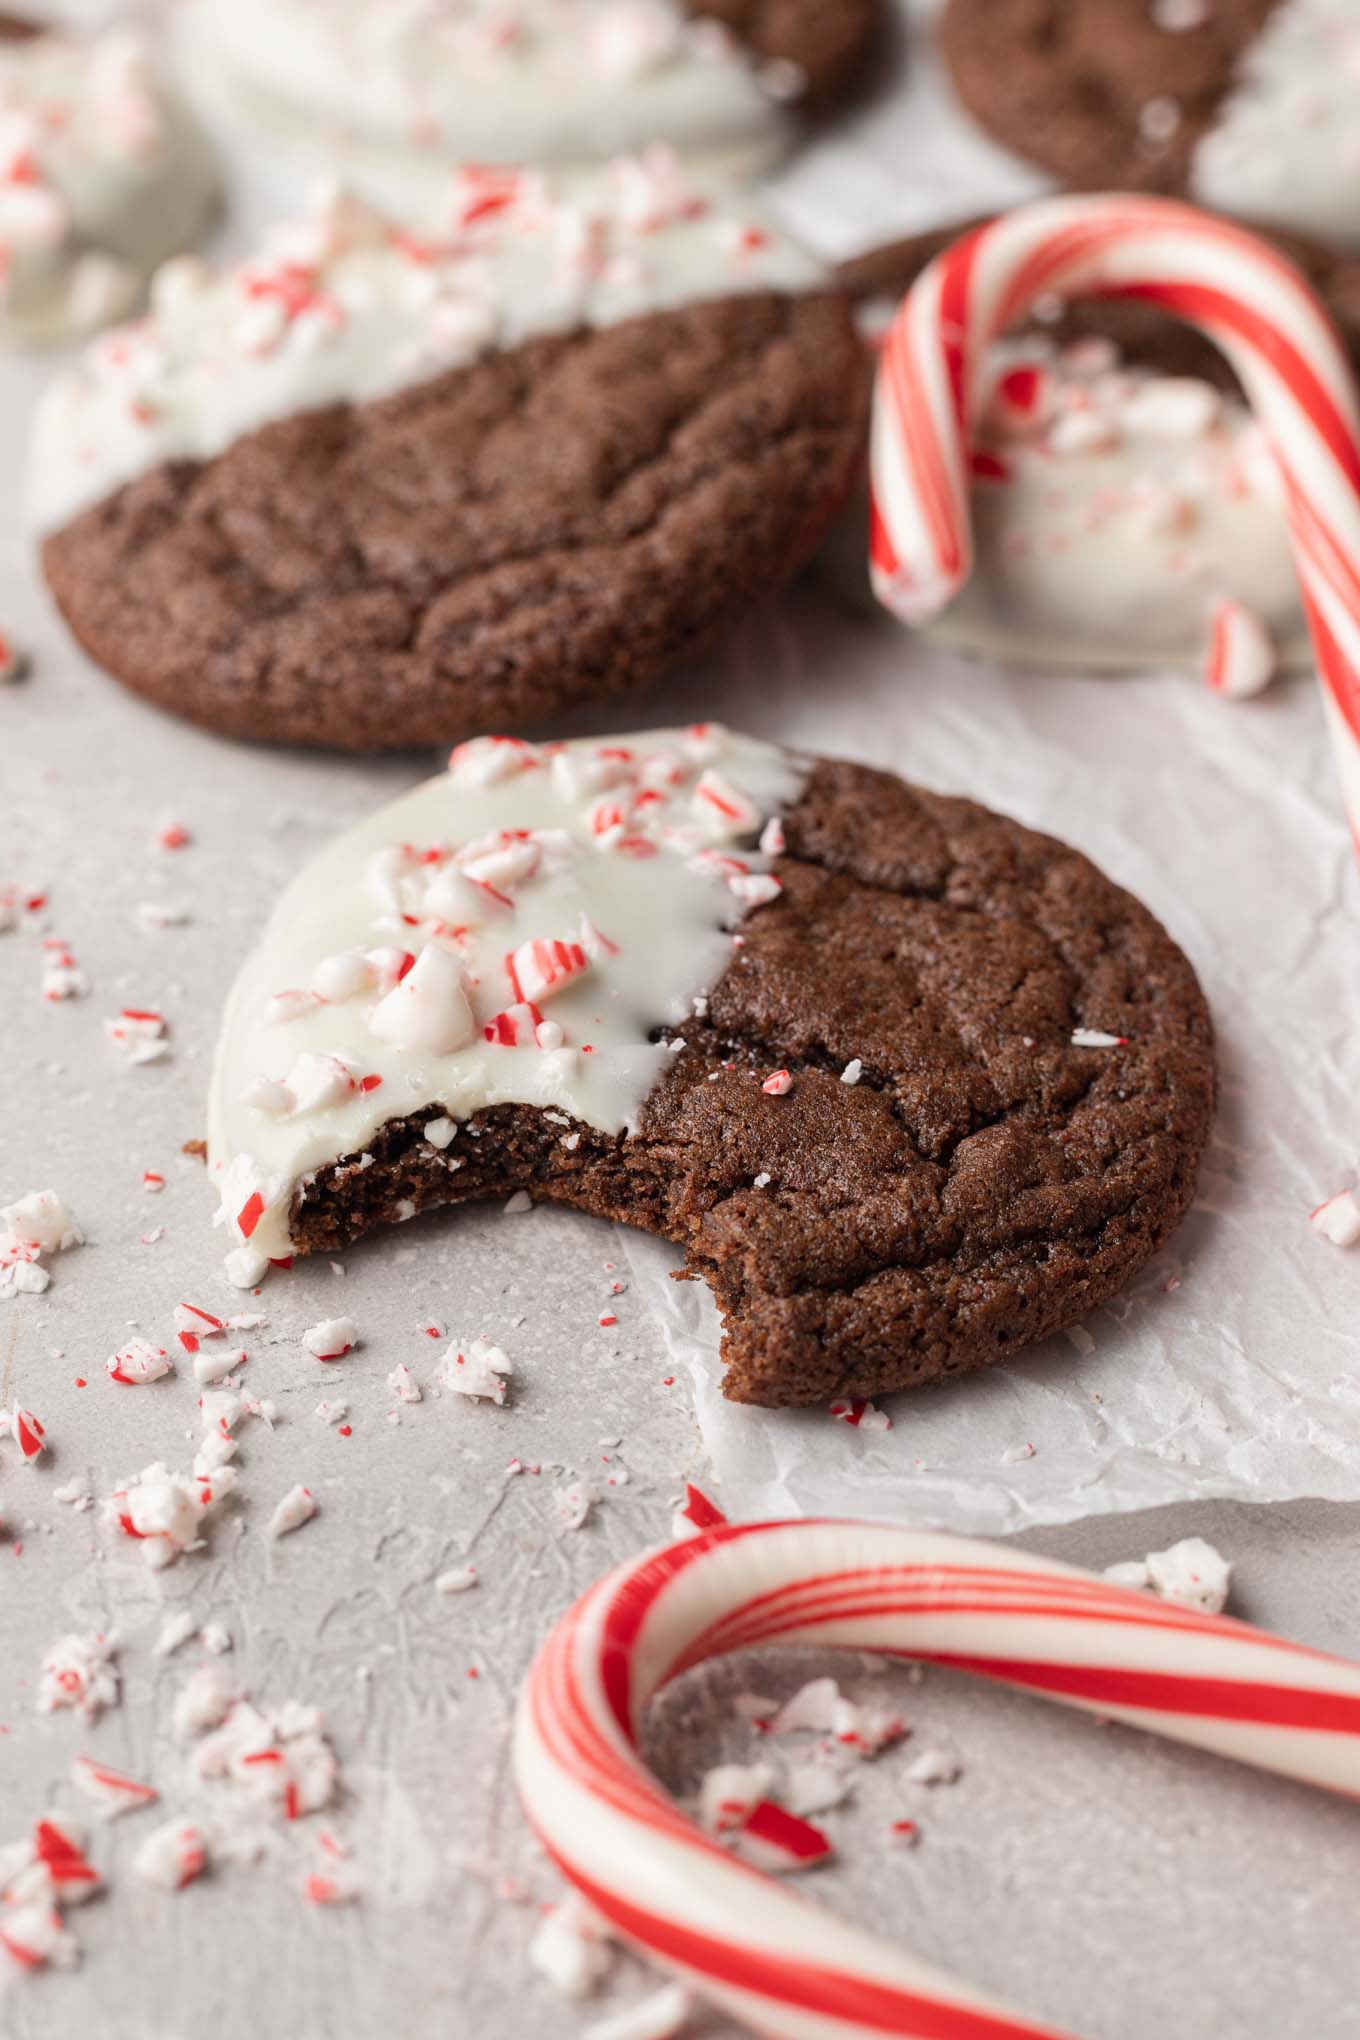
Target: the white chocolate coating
(1286, 148)
(349, 305)
(637, 863)
(102, 176)
(554, 82)
(1112, 518)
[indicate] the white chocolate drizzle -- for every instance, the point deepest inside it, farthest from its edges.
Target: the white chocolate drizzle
(349, 304)
(525, 929)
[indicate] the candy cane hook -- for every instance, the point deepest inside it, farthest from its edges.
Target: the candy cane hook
(781, 1966)
(1241, 293)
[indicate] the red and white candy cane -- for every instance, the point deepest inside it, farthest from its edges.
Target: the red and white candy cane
(748, 1943)
(1241, 293)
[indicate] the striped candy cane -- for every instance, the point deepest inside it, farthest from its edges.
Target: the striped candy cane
(1242, 294)
(775, 1962)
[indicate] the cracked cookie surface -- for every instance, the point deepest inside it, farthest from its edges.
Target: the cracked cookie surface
(550, 525)
(986, 1182)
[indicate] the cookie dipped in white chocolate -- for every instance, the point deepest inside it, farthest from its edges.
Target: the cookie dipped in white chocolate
(1285, 147)
(1114, 512)
(516, 931)
(556, 82)
(349, 304)
(102, 176)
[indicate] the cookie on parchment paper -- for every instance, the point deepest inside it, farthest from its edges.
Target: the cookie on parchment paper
(910, 1084)
(380, 485)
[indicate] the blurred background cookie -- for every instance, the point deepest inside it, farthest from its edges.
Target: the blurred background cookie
(554, 82)
(380, 485)
(102, 176)
(1247, 106)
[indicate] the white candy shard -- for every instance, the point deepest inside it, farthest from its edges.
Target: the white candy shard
(172, 1855)
(297, 1507)
(138, 1363)
(403, 1384)
(729, 1793)
(78, 1671)
(478, 1369)
(1192, 1574)
(112, 1792)
(658, 2017)
(933, 1766)
(29, 1228)
(1241, 659)
(457, 1580)
(571, 1947)
(203, 1702)
(162, 1511)
(427, 1013)
(1338, 1220)
(331, 1339)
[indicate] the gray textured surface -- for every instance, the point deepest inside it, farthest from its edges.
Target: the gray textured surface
(1088, 1873)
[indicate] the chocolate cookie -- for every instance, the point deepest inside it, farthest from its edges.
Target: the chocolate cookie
(909, 1084)
(375, 488)
(1246, 106)
(566, 82)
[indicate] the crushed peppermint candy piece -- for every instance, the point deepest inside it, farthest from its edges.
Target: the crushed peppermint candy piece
(137, 1363)
(661, 2016)
(853, 1071)
(862, 1728)
(297, 1507)
(175, 1631)
(1093, 1037)
(776, 1840)
(572, 1505)
(427, 1010)
(933, 1766)
(163, 1511)
(861, 1415)
(30, 1228)
(203, 1702)
(78, 1671)
(27, 1432)
(140, 1033)
(479, 1369)
(403, 1384)
(729, 1795)
(1338, 1220)
(211, 1367)
(1241, 660)
(457, 1580)
(779, 1085)
(1192, 1574)
(696, 1513)
(113, 1792)
(331, 1339)
(172, 1855)
(571, 1947)
(543, 966)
